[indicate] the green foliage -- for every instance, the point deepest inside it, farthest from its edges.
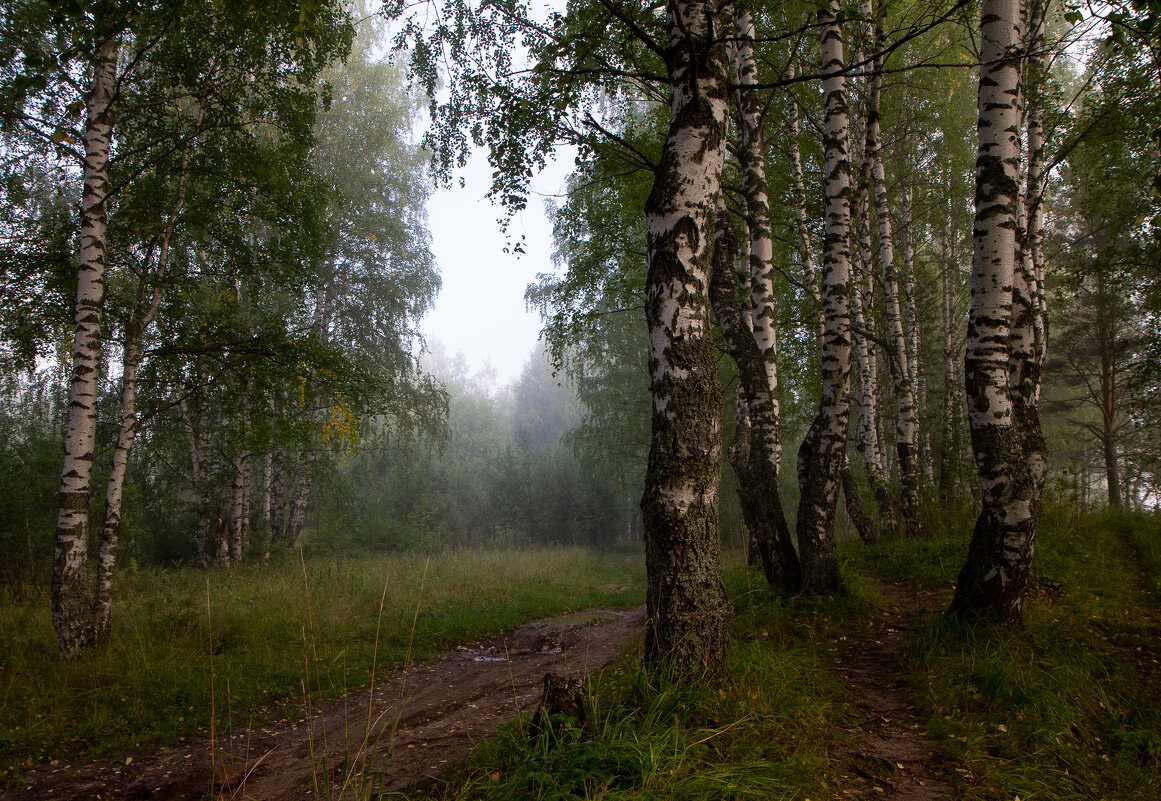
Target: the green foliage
(151, 684)
(30, 414)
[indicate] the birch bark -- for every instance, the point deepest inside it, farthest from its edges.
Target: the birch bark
(866, 360)
(797, 179)
(823, 450)
(761, 498)
(686, 601)
(951, 436)
(914, 343)
(898, 358)
(200, 490)
(752, 155)
(868, 443)
(71, 600)
(240, 487)
(863, 524)
(758, 476)
(1001, 371)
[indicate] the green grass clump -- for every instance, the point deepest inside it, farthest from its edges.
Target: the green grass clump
(1069, 706)
(927, 563)
(260, 635)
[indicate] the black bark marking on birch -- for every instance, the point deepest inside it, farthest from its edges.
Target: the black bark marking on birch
(686, 602)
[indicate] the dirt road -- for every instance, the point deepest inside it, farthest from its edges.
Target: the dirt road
(409, 729)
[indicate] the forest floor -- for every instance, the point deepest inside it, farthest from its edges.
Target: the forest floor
(401, 733)
(418, 724)
(893, 756)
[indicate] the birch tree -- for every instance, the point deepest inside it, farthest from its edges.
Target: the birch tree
(756, 464)
(897, 353)
(1001, 365)
(864, 330)
(823, 450)
(71, 599)
(685, 601)
(757, 454)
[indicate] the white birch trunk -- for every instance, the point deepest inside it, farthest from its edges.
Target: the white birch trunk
(238, 490)
(1001, 372)
(685, 599)
(823, 450)
(268, 490)
(752, 155)
(247, 460)
(914, 343)
(898, 360)
(1034, 203)
(869, 439)
(130, 362)
(802, 228)
(952, 387)
(72, 611)
(758, 476)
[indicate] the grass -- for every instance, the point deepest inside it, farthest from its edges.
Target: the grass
(1070, 705)
(152, 683)
(1067, 707)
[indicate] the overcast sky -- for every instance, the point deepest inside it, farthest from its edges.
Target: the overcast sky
(480, 309)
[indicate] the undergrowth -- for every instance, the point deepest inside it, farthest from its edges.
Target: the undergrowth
(151, 684)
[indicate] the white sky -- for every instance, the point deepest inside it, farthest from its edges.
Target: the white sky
(480, 309)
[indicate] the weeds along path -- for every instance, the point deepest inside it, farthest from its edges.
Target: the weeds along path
(894, 758)
(403, 733)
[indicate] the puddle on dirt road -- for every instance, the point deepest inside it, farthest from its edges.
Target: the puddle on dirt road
(551, 626)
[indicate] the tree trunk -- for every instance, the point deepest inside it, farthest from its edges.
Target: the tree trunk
(130, 361)
(200, 490)
(247, 459)
(914, 340)
(238, 491)
(71, 600)
(869, 442)
(1106, 392)
(857, 513)
(761, 501)
(758, 480)
(686, 601)
(1001, 369)
(949, 448)
(1034, 201)
(295, 518)
(823, 450)
(897, 354)
(276, 496)
(802, 228)
(739, 457)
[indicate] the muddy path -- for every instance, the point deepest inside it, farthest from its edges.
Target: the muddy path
(401, 734)
(893, 757)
